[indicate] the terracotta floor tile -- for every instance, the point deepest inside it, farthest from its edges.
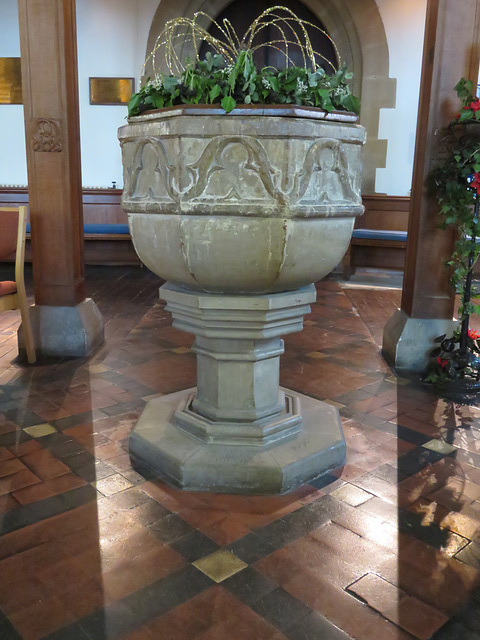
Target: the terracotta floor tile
(344, 610)
(348, 473)
(64, 482)
(144, 633)
(50, 469)
(280, 566)
(416, 617)
(8, 427)
(41, 618)
(31, 560)
(37, 457)
(18, 480)
(110, 450)
(112, 485)
(33, 493)
(213, 615)
(9, 467)
(7, 503)
(5, 454)
(201, 518)
(226, 530)
(23, 448)
(370, 459)
(129, 575)
(84, 539)
(59, 576)
(434, 578)
(172, 499)
(121, 463)
(378, 593)
(81, 430)
(19, 593)
(92, 441)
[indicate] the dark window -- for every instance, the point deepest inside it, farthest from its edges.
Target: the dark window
(241, 14)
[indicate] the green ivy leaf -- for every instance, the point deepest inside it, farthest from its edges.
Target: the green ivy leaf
(228, 104)
(170, 83)
(215, 92)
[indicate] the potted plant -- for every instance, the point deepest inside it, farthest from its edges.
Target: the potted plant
(455, 182)
(241, 187)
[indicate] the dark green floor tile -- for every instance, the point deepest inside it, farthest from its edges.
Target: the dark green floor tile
(79, 459)
(409, 435)
(94, 472)
(416, 460)
(316, 627)
(281, 609)
(170, 528)
(13, 438)
(7, 630)
(71, 632)
(251, 548)
(112, 621)
(470, 555)
(194, 545)
(249, 586)
(79, 418)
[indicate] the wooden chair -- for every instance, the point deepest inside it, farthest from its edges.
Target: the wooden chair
(13, 222)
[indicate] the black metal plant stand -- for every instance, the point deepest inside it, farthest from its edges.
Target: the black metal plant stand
(457, 360)
(467, 294)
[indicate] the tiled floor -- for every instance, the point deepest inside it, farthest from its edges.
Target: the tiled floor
(387, 548)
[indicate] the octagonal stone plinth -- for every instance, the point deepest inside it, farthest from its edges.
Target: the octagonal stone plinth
(190, 463)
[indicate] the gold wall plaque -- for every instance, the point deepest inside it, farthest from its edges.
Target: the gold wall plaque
(111, 90)
(10, 81)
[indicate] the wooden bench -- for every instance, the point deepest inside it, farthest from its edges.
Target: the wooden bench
(107, 238)
(379, 239)
(104, 244)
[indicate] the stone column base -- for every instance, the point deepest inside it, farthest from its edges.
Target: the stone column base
(172, 452)
(408, 341)
(65, 331)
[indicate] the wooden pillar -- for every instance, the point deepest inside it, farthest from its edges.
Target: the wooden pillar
(50, 96)
(451, 50)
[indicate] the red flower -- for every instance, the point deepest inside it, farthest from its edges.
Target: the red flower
(442, 363)
(474, 105)
(475, 184)
(473, 335)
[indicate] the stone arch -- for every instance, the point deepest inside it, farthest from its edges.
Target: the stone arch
(357, 29)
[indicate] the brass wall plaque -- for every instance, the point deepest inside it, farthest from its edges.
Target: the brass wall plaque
(111, 90)
(10, 81)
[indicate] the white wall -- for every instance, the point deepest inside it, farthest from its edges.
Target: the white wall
(404, 22)
(112, 36)
(13, 161)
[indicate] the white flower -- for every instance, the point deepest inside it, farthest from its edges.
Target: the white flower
(156, 83)
(266, 83)
(340, 92)
(301, 86)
